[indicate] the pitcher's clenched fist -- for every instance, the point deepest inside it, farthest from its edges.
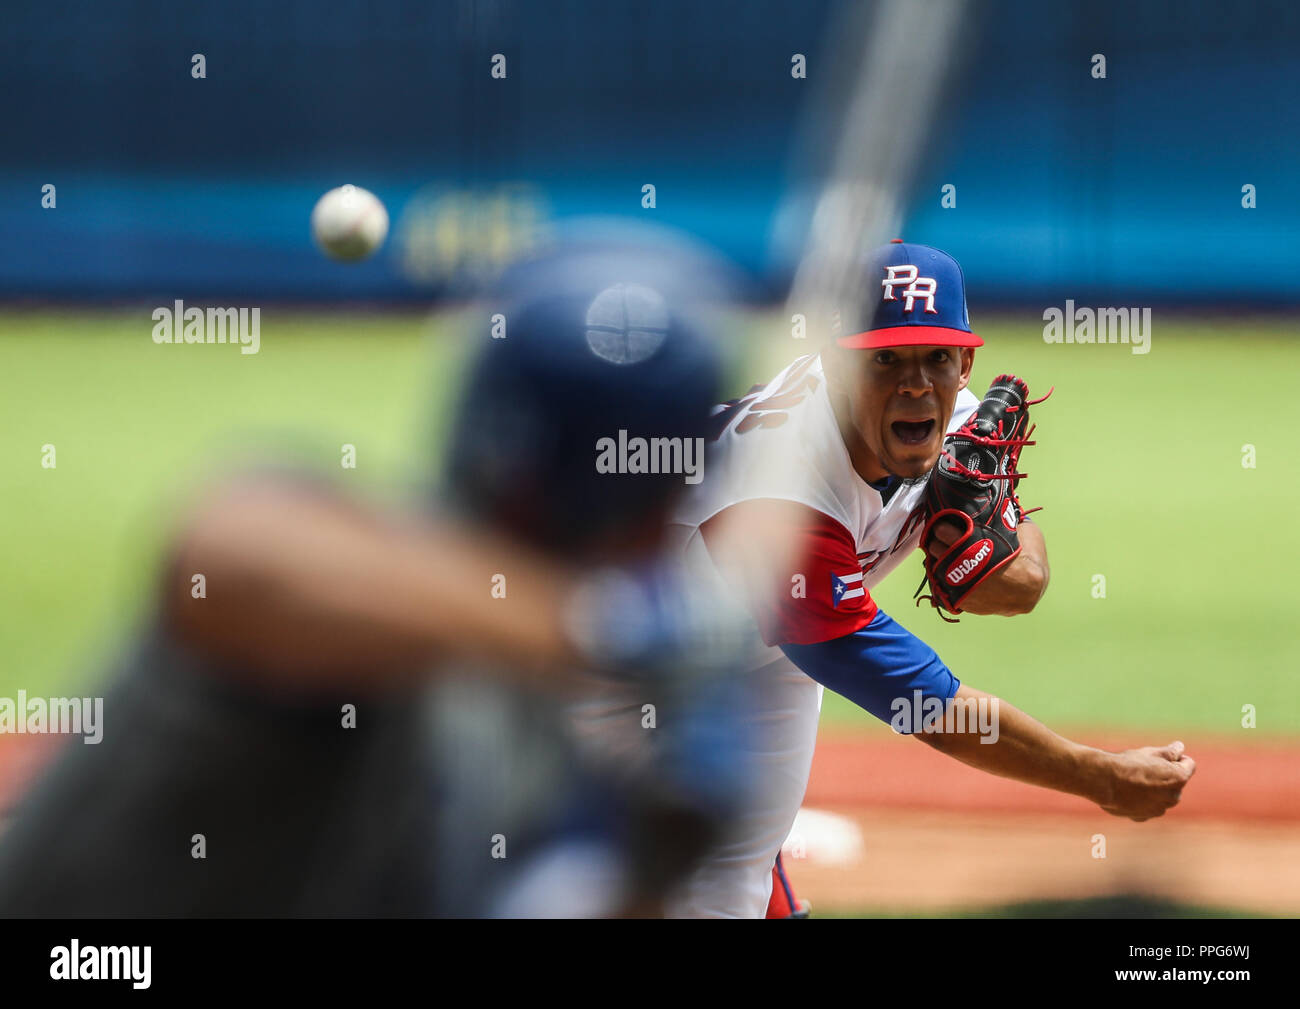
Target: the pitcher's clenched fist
(1147, 781)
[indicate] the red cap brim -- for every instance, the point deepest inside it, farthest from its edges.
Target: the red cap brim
(911, 336)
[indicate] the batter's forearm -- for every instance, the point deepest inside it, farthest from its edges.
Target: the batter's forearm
(306, 590)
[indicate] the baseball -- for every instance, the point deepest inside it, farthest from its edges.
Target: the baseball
(349, 223)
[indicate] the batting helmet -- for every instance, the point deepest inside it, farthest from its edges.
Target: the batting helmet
(591, 349)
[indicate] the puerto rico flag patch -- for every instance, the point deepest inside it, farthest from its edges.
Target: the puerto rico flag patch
(846, 587)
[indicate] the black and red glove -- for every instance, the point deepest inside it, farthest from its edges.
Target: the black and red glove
(973, 487)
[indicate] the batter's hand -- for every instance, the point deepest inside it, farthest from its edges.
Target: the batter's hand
(1147, 781)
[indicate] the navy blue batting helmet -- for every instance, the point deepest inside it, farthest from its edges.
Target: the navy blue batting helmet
(592, 348)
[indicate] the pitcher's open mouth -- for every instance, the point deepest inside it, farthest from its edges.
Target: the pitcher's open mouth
(911, 432)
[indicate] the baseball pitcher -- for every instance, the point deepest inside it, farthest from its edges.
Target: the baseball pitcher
(859, 455)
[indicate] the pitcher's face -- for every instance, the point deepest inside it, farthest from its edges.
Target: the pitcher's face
(900, 399)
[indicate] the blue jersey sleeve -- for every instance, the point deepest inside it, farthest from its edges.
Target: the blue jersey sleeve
(883, 668)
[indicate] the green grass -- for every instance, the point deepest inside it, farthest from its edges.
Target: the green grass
(136, 427)
(1139, 467)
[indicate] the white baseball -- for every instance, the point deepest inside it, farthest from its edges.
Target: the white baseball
(349, 223)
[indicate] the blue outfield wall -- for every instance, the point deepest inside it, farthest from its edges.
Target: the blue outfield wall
(1066, 185)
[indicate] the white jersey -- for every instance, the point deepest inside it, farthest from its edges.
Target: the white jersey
(782, 442)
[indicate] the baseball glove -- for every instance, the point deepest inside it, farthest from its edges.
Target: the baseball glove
(974, 488)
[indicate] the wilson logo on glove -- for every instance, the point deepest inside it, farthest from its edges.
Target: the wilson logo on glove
(973, 489)
(1009, 517)
(967, 563)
